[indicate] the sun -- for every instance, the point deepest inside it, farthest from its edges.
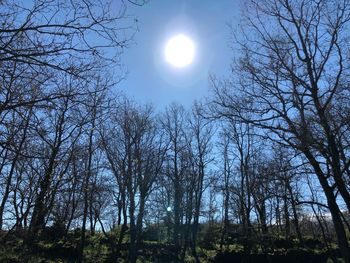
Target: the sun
(179, 51)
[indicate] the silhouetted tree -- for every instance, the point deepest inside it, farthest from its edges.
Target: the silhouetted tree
(292, 81)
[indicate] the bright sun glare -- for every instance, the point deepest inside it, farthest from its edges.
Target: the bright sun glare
(179, 51)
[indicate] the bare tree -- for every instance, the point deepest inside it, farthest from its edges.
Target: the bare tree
(16, 142)
(135, 152)
(95, 105)
(173, 123)
(292, 79)
(227, 183)
(54, 130)
(201, 146)
(58, 34)
(42, 39)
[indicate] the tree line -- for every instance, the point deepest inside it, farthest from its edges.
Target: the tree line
(266, 154)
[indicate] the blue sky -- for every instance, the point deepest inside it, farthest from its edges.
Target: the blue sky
(150, 77)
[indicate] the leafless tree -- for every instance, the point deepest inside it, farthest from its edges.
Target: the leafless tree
(173, 123)
(292, 79)
(199, 140)
(135, 152)
(226, 185)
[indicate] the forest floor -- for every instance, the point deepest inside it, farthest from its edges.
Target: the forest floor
(50, 249)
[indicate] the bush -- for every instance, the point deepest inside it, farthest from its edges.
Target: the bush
(283, 243)
(55, 232)
(313, 243)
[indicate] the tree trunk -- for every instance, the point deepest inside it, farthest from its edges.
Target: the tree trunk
(333, 208)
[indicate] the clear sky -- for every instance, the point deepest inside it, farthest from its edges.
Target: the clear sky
(151, 78)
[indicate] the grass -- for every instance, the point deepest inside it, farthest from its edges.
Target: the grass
(97, 250)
